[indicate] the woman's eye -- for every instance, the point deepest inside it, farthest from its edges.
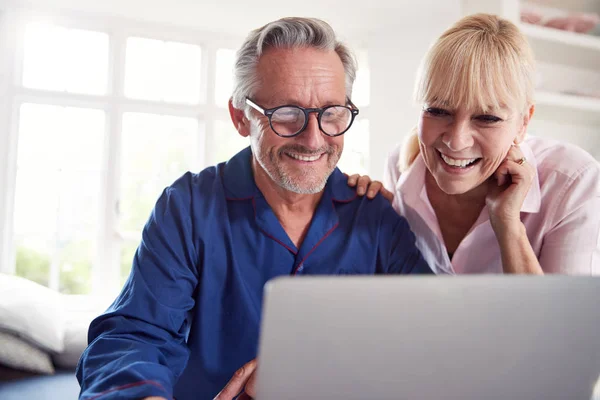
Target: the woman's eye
(436, 111)
(490, 119)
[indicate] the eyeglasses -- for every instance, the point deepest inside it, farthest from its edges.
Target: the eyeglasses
(290, 120)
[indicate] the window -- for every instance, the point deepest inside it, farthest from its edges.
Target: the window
(68, 60)
(103, 122)
(56, 202)
(224, 76)
(65, 152)
(162, 71)
(355, 158)
(361, 92)
(228, 142)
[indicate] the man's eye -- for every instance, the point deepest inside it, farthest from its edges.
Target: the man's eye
(436, 112)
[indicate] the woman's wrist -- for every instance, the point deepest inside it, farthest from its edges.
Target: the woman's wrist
(509, 231)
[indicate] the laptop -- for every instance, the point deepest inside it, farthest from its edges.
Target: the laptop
(485, 337)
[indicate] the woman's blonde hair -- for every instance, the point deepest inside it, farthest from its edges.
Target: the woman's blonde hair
(482, 62)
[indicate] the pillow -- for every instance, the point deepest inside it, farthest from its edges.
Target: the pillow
(21, 355)
(32, 312)
(75, 342)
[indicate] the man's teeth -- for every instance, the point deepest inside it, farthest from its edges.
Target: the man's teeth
(304, 158)
(457, 163)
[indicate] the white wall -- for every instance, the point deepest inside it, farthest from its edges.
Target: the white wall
(584, 136)
(395, 53)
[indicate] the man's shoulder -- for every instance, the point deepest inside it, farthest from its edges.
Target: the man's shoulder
(230, 179)
(378, 211)
(196, 182)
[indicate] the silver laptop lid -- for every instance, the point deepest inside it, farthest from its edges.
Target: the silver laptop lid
(484, 337)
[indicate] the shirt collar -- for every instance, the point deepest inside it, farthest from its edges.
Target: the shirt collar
(238, 180)
(237, 176)
(412, 183)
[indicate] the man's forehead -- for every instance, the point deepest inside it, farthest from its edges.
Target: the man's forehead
(299, 60)
(302, 76)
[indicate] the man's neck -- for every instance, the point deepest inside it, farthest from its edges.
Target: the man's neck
(293, 210)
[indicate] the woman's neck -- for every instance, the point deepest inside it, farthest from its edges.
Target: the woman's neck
(474, 198)
(456, 213)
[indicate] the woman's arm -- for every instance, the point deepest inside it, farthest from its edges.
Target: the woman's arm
(507, 190)
(516, 251)
(572, 244)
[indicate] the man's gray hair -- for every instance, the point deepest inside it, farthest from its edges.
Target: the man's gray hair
(286, 33)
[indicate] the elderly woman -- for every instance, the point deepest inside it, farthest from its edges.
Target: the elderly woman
(480, 196)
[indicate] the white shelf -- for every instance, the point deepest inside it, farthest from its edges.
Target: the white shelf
(565, 108)
(562, 47)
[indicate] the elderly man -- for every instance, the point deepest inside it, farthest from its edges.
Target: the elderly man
(188, 317)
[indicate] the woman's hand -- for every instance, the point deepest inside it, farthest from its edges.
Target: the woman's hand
(364, 185)
(507, 191)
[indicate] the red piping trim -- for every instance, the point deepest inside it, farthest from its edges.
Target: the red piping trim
(345, 200)
(269, 236)
(129, 385)
(295, 252)
(314, 247)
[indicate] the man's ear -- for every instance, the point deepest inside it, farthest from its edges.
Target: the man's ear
(238, 117)
(526, 119)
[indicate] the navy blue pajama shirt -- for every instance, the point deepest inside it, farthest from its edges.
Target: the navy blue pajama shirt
(189, 314)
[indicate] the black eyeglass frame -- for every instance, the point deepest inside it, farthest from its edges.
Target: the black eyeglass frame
(268, 112)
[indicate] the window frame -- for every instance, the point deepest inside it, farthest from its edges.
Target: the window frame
(106, 262)
(105, 274)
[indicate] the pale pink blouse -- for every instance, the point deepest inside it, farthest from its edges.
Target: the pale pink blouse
(561, 214)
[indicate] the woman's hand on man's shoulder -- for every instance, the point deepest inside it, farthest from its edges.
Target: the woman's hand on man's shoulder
(364, 185)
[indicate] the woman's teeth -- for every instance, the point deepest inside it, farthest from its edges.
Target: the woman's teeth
(458, 163)
(304, 158)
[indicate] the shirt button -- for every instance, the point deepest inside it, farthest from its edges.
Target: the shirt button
(300, 268)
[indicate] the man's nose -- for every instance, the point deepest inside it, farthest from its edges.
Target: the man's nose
(312, 137)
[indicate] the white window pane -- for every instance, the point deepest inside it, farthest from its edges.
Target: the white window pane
(60, 59)
(44, 55)
(355, 158)
(75, 260)
(88, 62)
(156, 150)
(62, 203)
(38, 259)
(181, 73)
(36, 202)
(143, 69)
(224, 76)
(60, 137)
(227, 141)
(361, 91)
(57, 198)
(162, 71)
(33, 258)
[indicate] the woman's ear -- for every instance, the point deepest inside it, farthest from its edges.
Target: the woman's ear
(238, 117)
(526, 119)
